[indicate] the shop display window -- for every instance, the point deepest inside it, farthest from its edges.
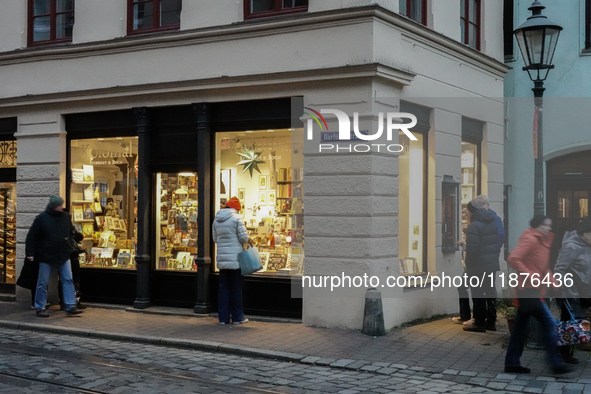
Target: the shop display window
(470, 178)
(103, 200)
(412, 232)
(7, 232)
(264, 170)
(176, 223)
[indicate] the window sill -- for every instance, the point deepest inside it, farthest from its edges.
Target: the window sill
(267, 14)
(586, 52)
(450, 249)
(149, 31)
(49, 43)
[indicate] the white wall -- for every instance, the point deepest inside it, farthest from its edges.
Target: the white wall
(13, 25)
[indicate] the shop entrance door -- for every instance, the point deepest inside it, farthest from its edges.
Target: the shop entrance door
(568, 189)
(7, 237)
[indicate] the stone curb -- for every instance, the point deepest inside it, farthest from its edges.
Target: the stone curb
(207, 346)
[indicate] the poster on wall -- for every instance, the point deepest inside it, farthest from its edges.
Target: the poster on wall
(263, 182)
(263, 198)
(271, 197)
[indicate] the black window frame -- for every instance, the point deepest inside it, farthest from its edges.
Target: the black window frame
(53, 14)
(587, 24)
(278, 10)
(156, 27)
(465, 33)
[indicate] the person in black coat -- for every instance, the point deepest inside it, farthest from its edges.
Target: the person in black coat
(482, 260)
(49, 243)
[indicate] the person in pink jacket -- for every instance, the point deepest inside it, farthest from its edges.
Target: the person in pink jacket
(531, 256)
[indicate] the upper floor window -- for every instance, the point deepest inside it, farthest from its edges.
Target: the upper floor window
(50, 21)
(153, 15)
(262, 8)
(470, 23)
(414, 9)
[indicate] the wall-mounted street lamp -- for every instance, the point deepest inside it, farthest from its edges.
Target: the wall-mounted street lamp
(537, 39)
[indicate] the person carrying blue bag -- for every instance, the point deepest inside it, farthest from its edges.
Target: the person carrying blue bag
(229, 233)
(574, 258)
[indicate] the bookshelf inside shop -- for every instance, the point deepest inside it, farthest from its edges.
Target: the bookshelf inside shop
(98, 215)
(280, 238)
(177, 225)
(8, 236)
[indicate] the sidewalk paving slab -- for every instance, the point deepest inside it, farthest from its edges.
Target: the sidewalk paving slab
(435, 349)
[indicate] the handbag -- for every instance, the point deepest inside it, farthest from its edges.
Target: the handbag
(29, 274)
(574, 331)
(250, 260)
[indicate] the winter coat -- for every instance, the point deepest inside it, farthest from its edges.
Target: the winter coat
(48, 240)
(575, 259)
(229, 233)
(500, 230)
(482, 247)
(532, 256)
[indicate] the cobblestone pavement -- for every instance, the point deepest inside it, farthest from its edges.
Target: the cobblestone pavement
(107, 366)
(433, 350)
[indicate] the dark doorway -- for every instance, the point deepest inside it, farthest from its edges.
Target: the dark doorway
(568, 188)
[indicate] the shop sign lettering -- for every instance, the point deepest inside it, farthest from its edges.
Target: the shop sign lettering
(106, 154)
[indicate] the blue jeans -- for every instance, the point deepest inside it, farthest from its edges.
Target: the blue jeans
(65, 273)
(540, 311)
(230, 296)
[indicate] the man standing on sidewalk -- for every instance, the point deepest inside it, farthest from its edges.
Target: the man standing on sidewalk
(482, 260)
(48, 243)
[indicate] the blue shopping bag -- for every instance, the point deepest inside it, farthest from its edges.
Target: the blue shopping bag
(250, 261)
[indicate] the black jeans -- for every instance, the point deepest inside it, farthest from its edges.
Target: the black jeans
(484, 300)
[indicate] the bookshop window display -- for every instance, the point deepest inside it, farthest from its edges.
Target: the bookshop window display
(412, 198)
(103, 200)
(176, 224)
(7, 214)
(264, 171)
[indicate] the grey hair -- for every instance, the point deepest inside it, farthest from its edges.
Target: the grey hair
(484, 199)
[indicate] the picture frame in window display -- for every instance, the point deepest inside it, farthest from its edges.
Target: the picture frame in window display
(88, 171)
(88, 213)
(263, 182)
(262, 198)
(241, 192)
(271, 197)
(77, 175)
(78, 213)
(402, 267)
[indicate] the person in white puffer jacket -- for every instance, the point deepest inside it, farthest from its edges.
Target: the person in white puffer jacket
(229, 233)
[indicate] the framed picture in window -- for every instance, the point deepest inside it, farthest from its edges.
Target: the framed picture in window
(262, 198)
(241, 194)
(263, 182)
(271, 197)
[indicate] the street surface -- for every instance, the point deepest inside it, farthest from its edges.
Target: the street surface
(38, 362)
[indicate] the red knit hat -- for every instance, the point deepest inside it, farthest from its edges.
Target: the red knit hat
(234, 203)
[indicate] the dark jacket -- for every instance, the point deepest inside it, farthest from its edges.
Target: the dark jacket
(575, 259)
(482, 245)
(49, 239)
(500, 230)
